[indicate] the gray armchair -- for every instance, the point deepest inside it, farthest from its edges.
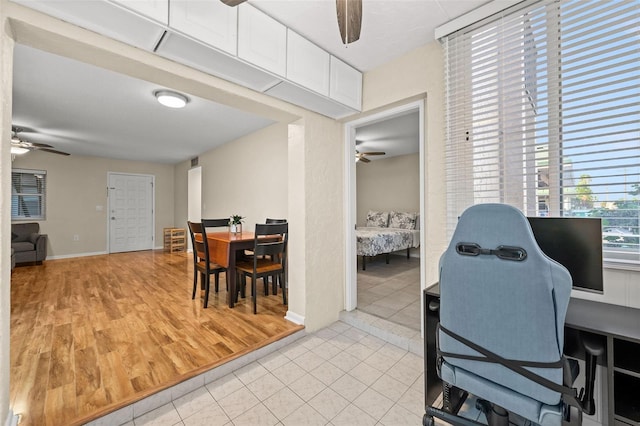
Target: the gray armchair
(28, 244)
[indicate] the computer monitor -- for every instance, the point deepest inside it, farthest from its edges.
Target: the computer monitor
(575, 243)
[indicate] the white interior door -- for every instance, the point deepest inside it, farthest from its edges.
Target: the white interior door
(131, 216)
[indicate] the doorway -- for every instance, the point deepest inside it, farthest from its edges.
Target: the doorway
(353, 218)
(131, 220)
(194, 197)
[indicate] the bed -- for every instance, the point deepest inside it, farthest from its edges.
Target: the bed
(385, 233)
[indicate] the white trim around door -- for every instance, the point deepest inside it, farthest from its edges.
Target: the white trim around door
(351, 288)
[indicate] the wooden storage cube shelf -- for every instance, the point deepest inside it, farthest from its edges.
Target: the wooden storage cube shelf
(175, 239)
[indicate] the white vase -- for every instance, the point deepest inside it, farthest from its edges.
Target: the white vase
(235, 228)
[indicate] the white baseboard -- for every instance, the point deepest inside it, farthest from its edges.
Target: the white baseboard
(11, 419)
(69, 256)
(294, 318)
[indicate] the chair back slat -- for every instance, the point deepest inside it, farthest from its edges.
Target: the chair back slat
(272, 220)
(215, 223)
(275, 248)
(200, 248)
(272, 229)
(261, 247)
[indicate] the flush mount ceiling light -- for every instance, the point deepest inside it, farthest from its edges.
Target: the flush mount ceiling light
(171, 99)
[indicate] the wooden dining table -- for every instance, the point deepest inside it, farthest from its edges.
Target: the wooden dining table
(223, 250)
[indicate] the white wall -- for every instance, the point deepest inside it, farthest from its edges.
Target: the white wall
(388, 184)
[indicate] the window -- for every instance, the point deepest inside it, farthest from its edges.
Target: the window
(543, 113)
(28, 194)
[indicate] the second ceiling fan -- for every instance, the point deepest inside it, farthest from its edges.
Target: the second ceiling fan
(362, 156)
(20, 145)
(349, 13)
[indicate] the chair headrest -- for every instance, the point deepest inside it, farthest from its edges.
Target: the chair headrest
(493, 225)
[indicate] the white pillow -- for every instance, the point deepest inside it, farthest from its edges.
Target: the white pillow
(377, 219)
(402, 220)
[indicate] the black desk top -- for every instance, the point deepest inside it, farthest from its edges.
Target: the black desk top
(597, 317)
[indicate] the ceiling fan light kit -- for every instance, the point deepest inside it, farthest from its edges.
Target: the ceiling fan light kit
(171, 99)
(18, 150)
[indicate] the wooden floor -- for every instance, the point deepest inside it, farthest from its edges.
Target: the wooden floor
(90, 335)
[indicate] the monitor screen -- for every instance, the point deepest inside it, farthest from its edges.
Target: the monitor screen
(575, 243)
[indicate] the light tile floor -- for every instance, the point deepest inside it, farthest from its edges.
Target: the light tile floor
(340, 375)
(391, 291)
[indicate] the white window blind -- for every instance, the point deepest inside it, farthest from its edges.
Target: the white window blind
(28, 189)
(543, 113)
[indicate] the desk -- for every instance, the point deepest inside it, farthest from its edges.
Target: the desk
(618, 325)
(223, 248)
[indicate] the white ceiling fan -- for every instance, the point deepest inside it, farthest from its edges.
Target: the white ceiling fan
(349, 14)
(21, 146)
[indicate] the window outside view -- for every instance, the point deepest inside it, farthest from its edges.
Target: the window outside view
(555, 116)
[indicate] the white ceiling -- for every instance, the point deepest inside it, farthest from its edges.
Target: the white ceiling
(85, 110)
(390, 28)
(395, 136)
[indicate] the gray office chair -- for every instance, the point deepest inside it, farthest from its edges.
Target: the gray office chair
(501, 334)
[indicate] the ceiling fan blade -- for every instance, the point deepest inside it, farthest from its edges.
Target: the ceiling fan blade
(365, 160)
(349, 19)
(232, 2)
(40, 145)
(54, 151)
(373, 153)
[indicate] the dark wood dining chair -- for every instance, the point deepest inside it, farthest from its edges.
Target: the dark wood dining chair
(276, 278)
(202, 261)
(248, 253)
(270, 258)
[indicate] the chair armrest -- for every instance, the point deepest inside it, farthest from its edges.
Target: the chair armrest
(41, 246)
(593, 348)
(33, 238)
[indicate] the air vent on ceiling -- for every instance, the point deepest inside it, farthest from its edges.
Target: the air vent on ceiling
(194, 161)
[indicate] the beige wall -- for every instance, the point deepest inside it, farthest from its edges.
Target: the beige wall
(319, 209)
(247, 177)
(419, 73)
(388, 184)
(77, 185)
